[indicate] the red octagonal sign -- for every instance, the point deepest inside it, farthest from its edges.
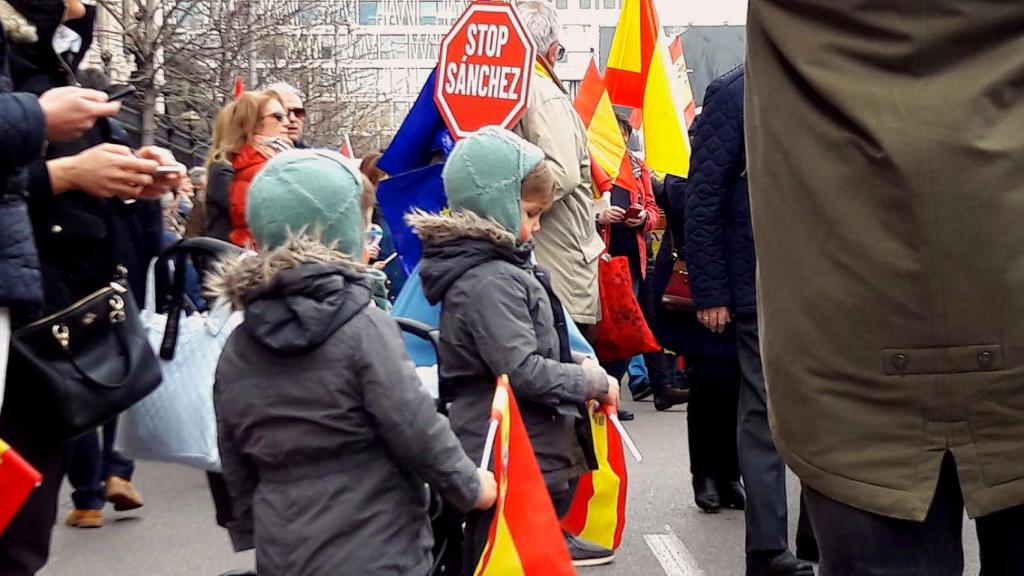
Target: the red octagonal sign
(483, 76)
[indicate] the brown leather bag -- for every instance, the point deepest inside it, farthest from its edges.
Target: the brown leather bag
(678, 297)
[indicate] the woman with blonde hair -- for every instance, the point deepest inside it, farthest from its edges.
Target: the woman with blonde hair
(247, 133)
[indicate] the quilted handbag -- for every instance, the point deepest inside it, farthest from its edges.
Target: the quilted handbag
(177, 423)
(623, 331)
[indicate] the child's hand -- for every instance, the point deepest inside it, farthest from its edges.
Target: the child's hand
(488, 490)
(612, 397)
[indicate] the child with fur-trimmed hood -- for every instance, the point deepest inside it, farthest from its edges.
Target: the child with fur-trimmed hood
(499, 315)
(326, 435)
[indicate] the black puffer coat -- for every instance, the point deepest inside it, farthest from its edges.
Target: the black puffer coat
(22, 133)
(326, 436)
(719, 238)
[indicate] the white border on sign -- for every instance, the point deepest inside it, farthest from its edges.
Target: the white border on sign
(530, 58)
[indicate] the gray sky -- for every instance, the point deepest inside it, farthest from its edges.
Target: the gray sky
(703, 12)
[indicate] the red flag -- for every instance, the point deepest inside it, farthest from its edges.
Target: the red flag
(346, 148)
(598, 511)
(525, 537)
(236, 92)
(633, 48)
(17, 480)
(604, 140)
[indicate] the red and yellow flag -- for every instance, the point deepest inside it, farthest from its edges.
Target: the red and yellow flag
(604, 140)
(17, 480)
(642, 74)
(525, 538)
(598, 511)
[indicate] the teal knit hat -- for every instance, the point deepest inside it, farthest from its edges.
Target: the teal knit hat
(312, 189)
(484, 174)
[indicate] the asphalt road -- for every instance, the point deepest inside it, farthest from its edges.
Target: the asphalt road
(175, 533)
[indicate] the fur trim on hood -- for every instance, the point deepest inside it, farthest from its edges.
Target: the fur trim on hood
(439, 228)
(17, 28)
(237, 278)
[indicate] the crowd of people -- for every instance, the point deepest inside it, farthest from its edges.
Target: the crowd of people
(894, 421)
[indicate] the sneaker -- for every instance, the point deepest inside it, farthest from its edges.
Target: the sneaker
(85, 518)
(586, 553)
(641, 390)
(626, 416)
(122, 494)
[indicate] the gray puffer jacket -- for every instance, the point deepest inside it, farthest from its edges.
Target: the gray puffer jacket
(497, 319)
(326, 436)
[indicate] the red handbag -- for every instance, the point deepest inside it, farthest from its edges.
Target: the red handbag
(622, 332)
(678, 297)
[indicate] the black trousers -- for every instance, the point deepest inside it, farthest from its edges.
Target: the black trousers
(478, 524)
(711, 416)
(25, 544)
(854, 542)
(763, 471)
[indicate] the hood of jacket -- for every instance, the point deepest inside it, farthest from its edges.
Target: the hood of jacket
(296, 296)
(457, 243)
(16, 27)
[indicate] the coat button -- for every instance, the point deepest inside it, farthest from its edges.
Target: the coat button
(985, 359)
(56, 229)
(900, 362)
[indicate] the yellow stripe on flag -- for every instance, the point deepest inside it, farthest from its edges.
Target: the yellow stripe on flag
(602, 510)
(666, 143)
(604, 138)
(625, 51)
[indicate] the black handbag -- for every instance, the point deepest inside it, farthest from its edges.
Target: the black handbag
(82, 366)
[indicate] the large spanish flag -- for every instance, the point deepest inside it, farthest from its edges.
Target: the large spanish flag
(608, 155)
(598, 511)
(17, 480)
(642, 74)
(525, 539)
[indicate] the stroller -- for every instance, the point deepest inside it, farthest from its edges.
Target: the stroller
(445, 520)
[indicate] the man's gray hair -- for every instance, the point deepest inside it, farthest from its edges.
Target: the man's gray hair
(285, 88)
(541, 20)
(197, 174)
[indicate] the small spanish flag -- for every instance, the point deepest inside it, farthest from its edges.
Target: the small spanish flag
(598, 511)
(608, 152)
(525, 538)
(17, 480)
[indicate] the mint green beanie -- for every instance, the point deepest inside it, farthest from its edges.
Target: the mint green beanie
(312, 189)
(484, 174)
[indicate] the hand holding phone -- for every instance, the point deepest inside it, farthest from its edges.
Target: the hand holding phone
(632, 213)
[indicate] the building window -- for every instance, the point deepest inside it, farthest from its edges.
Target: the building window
(561, 4)
(429, 12)
(610, 4)
(585, 4)
(369, 12)
(393, 47)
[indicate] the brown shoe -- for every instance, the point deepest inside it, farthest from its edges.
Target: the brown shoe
(122, 494)
(85, 519)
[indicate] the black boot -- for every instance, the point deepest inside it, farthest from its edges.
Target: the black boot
(666, 397)
(732, 494)
(705, 493)
(777, 563)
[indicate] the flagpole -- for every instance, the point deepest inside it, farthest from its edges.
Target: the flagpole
(630, 445)
(489, 443)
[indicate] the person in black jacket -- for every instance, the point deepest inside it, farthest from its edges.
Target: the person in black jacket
(722, 262)
(86, 235)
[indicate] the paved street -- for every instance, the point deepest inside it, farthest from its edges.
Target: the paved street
(175, 534)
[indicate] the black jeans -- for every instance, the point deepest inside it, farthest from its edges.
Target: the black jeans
(478, 524)
(92, 464)
(711, 416)
(854, 542)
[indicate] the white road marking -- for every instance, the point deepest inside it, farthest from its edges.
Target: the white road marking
(672, 554)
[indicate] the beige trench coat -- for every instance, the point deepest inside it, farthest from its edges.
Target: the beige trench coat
(886, 162)
(568, 244)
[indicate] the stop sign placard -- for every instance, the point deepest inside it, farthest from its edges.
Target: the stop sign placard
(483, 76)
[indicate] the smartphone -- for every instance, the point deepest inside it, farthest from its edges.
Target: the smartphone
(172, 169)
(632, 213)
(121, 93)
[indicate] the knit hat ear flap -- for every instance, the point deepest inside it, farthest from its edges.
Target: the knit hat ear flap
(16, 26)
(484, 174)
(314, 190)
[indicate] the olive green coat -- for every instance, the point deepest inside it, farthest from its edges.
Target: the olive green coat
(886, 163)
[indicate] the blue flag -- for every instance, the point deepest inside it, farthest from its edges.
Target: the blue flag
(400, 194)
(422, 133)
